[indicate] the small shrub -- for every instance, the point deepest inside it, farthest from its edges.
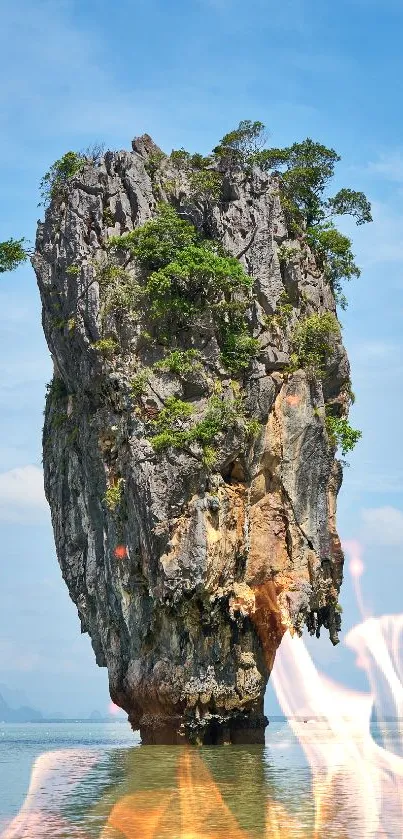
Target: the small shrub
(71, 324)
(312, 343)
(156, 243)
(219, 417)
(59, 323)
(348, 390)
(252, 428)
(170, 186)
(138, 385)
(56, 389)
(113, 495)
(168, 439)
(174, 413)
(209, 457)
(238, 147)
(341, 434)
(196, 279)
(107, 217)
(205, 185)
(73, 270)
(238, 348)
(153, 164)
(106, 346)
(54, 182)
(283, 313)
(120, 291)
(180, 158)
(179, 362)
(287, 254)
(334, 255)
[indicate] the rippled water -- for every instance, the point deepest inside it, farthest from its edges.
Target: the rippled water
(95, 780)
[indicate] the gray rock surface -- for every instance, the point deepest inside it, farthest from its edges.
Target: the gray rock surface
(188, 586)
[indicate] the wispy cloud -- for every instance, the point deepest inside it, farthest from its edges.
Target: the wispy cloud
(389, 166)
(22, 497)
(71, 90)
(379, 242)
(383, 526)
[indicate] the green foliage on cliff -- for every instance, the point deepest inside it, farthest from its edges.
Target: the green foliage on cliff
(54, 181)
(312, 343)
(283, 313)
(240, 146)
(334, 256)
(113, 495)
(106, 346)
(138, 385)
(179, 362)
(341, 434)
(153, 164)
(305, 170)
(176, 430)
(205, 185)
(12, 254)
(189, 279)
(157, 242)
(196, 278)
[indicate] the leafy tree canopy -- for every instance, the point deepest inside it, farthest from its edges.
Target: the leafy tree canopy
(305, 171)
(12, 254)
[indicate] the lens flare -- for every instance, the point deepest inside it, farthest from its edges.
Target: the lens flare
(120, 552)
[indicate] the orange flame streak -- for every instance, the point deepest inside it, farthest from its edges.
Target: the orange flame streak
(204, 814)
(140, 815)
(195, 810)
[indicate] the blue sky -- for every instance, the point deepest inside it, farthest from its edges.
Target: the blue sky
(187, 72)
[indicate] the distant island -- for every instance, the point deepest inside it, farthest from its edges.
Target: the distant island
(25, 713)
(21, 714)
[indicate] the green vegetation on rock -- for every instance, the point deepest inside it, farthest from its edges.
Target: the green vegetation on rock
(312, 343)
(341, 434)
(55, 180)
(53, 183)
(189, 278)
(106, 346)
(179, 362)
(175, 428)
(113, 495)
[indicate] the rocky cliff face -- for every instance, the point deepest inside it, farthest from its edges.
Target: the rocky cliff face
(186, 573)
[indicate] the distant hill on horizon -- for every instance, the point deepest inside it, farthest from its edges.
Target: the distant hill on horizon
(22, 714)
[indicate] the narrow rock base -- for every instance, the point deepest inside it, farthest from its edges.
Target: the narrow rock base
(213, 730)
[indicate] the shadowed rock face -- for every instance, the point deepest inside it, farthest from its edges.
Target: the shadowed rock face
(188, 585)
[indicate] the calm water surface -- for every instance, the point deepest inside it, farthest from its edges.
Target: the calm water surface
(94, 780)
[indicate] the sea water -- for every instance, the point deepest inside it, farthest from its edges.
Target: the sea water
(88, 779)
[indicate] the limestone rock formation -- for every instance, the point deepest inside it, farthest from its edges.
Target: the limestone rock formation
(186, 570)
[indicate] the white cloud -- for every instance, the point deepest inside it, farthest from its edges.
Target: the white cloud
(383, 526)
(388, 166)
(22, 497)
(379, 242)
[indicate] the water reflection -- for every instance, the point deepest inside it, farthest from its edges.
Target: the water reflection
(173, 791)
(239, 792)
